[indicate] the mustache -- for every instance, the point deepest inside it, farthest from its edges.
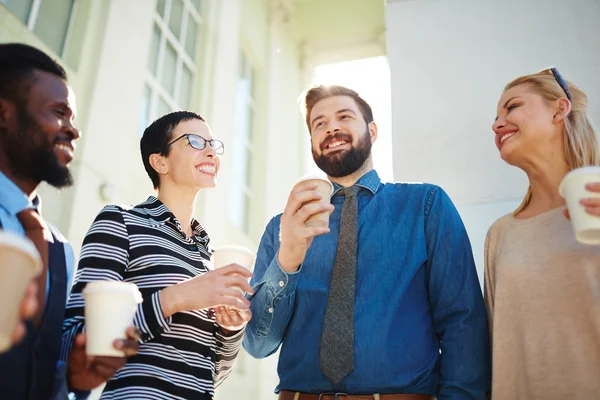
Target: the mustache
(336, 136)
(63, 139)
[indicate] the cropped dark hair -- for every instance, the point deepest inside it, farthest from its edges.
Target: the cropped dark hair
(157, 135)
(18, 62)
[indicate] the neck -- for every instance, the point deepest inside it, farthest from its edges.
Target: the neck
(349, 180)
(28, 186)
(181, 202)
(545, 175)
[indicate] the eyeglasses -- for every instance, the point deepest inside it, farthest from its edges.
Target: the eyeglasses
(560, 80)
(199, 143)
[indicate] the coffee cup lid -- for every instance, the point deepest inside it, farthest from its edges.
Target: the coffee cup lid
(575, 172)
(116, 287)
(23, 245)
(313, 177)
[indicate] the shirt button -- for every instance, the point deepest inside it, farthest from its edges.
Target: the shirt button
(281, 283)
(192, 247)
(270, 310)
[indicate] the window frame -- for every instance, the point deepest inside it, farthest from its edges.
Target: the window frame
(158, 91)
(32, 19)
(248, 71)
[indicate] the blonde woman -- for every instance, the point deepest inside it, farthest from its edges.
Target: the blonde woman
(542, 288)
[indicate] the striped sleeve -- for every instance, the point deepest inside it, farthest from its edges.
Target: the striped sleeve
(227, 351)
(105, 256)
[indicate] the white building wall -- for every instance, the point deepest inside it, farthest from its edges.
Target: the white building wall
(220, 116)
(109, 151)
(449, 61)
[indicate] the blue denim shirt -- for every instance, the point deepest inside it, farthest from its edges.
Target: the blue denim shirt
(420, 322)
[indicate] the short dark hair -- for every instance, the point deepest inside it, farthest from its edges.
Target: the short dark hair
(317, 93)
(157, 135)
(18, 62)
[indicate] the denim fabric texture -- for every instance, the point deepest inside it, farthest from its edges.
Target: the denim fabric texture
(420, 320)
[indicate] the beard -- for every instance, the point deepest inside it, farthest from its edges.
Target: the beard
(344, 162)
(31, 155)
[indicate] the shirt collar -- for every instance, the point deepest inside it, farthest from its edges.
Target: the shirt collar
(159, 214)
(369, 181)
(13, 200)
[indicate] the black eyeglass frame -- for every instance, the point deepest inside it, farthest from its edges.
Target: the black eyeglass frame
(561, 82)
(216, 145)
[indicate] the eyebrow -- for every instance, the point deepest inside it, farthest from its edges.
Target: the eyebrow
(505, 104)
(509, 100)
(343, 110)
(316, 119)
(65, 106)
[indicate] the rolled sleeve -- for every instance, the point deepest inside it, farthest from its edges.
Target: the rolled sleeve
(279, 282)
(272, 304)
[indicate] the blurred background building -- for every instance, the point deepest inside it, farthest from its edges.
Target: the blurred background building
(433, 68)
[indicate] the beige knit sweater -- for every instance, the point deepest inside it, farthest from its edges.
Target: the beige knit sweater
(542, 291)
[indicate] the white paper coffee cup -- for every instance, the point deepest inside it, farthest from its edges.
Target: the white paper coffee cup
(326, 189)
(225, 255)
(20, 262)
(109, 310)
(585, 226)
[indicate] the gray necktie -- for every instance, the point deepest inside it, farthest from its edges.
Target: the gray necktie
(337, 341)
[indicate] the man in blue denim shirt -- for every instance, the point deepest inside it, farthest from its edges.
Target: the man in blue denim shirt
(420, 326)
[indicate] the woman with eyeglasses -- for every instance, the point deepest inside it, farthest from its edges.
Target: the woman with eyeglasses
(542, 288)
(186, 347)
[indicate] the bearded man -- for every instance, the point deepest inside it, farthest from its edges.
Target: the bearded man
(384, 303)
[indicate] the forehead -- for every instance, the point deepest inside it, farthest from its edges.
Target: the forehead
(194, 126)
(49, 88)
(332, 105)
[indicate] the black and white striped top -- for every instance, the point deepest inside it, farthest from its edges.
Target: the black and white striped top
(181, 357)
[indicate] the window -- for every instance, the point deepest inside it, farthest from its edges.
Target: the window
(171, 62)
(50, 20)
(242, 147)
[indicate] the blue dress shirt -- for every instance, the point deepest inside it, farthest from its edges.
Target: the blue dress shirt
(12, 202)
(420, 322)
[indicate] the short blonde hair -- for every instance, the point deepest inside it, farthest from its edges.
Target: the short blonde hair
(580, 143)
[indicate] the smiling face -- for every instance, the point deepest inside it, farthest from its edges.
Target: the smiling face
(39, 138)
(186, 165)
(526, 124)
(341, 139)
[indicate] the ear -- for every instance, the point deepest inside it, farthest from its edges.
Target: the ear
(7, 112)
(563, 109)
(158, 163)
(373, 131)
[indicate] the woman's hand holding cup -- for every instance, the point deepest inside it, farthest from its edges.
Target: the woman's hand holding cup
(221, 287)
(231, 319)
(591, 204)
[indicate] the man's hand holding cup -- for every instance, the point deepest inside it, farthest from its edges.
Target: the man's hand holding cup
(306, 215)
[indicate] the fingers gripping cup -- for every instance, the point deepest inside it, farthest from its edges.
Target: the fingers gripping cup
(20, 262)
(326, 189)
(109, 310)
(572, 188)
(226, 255)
